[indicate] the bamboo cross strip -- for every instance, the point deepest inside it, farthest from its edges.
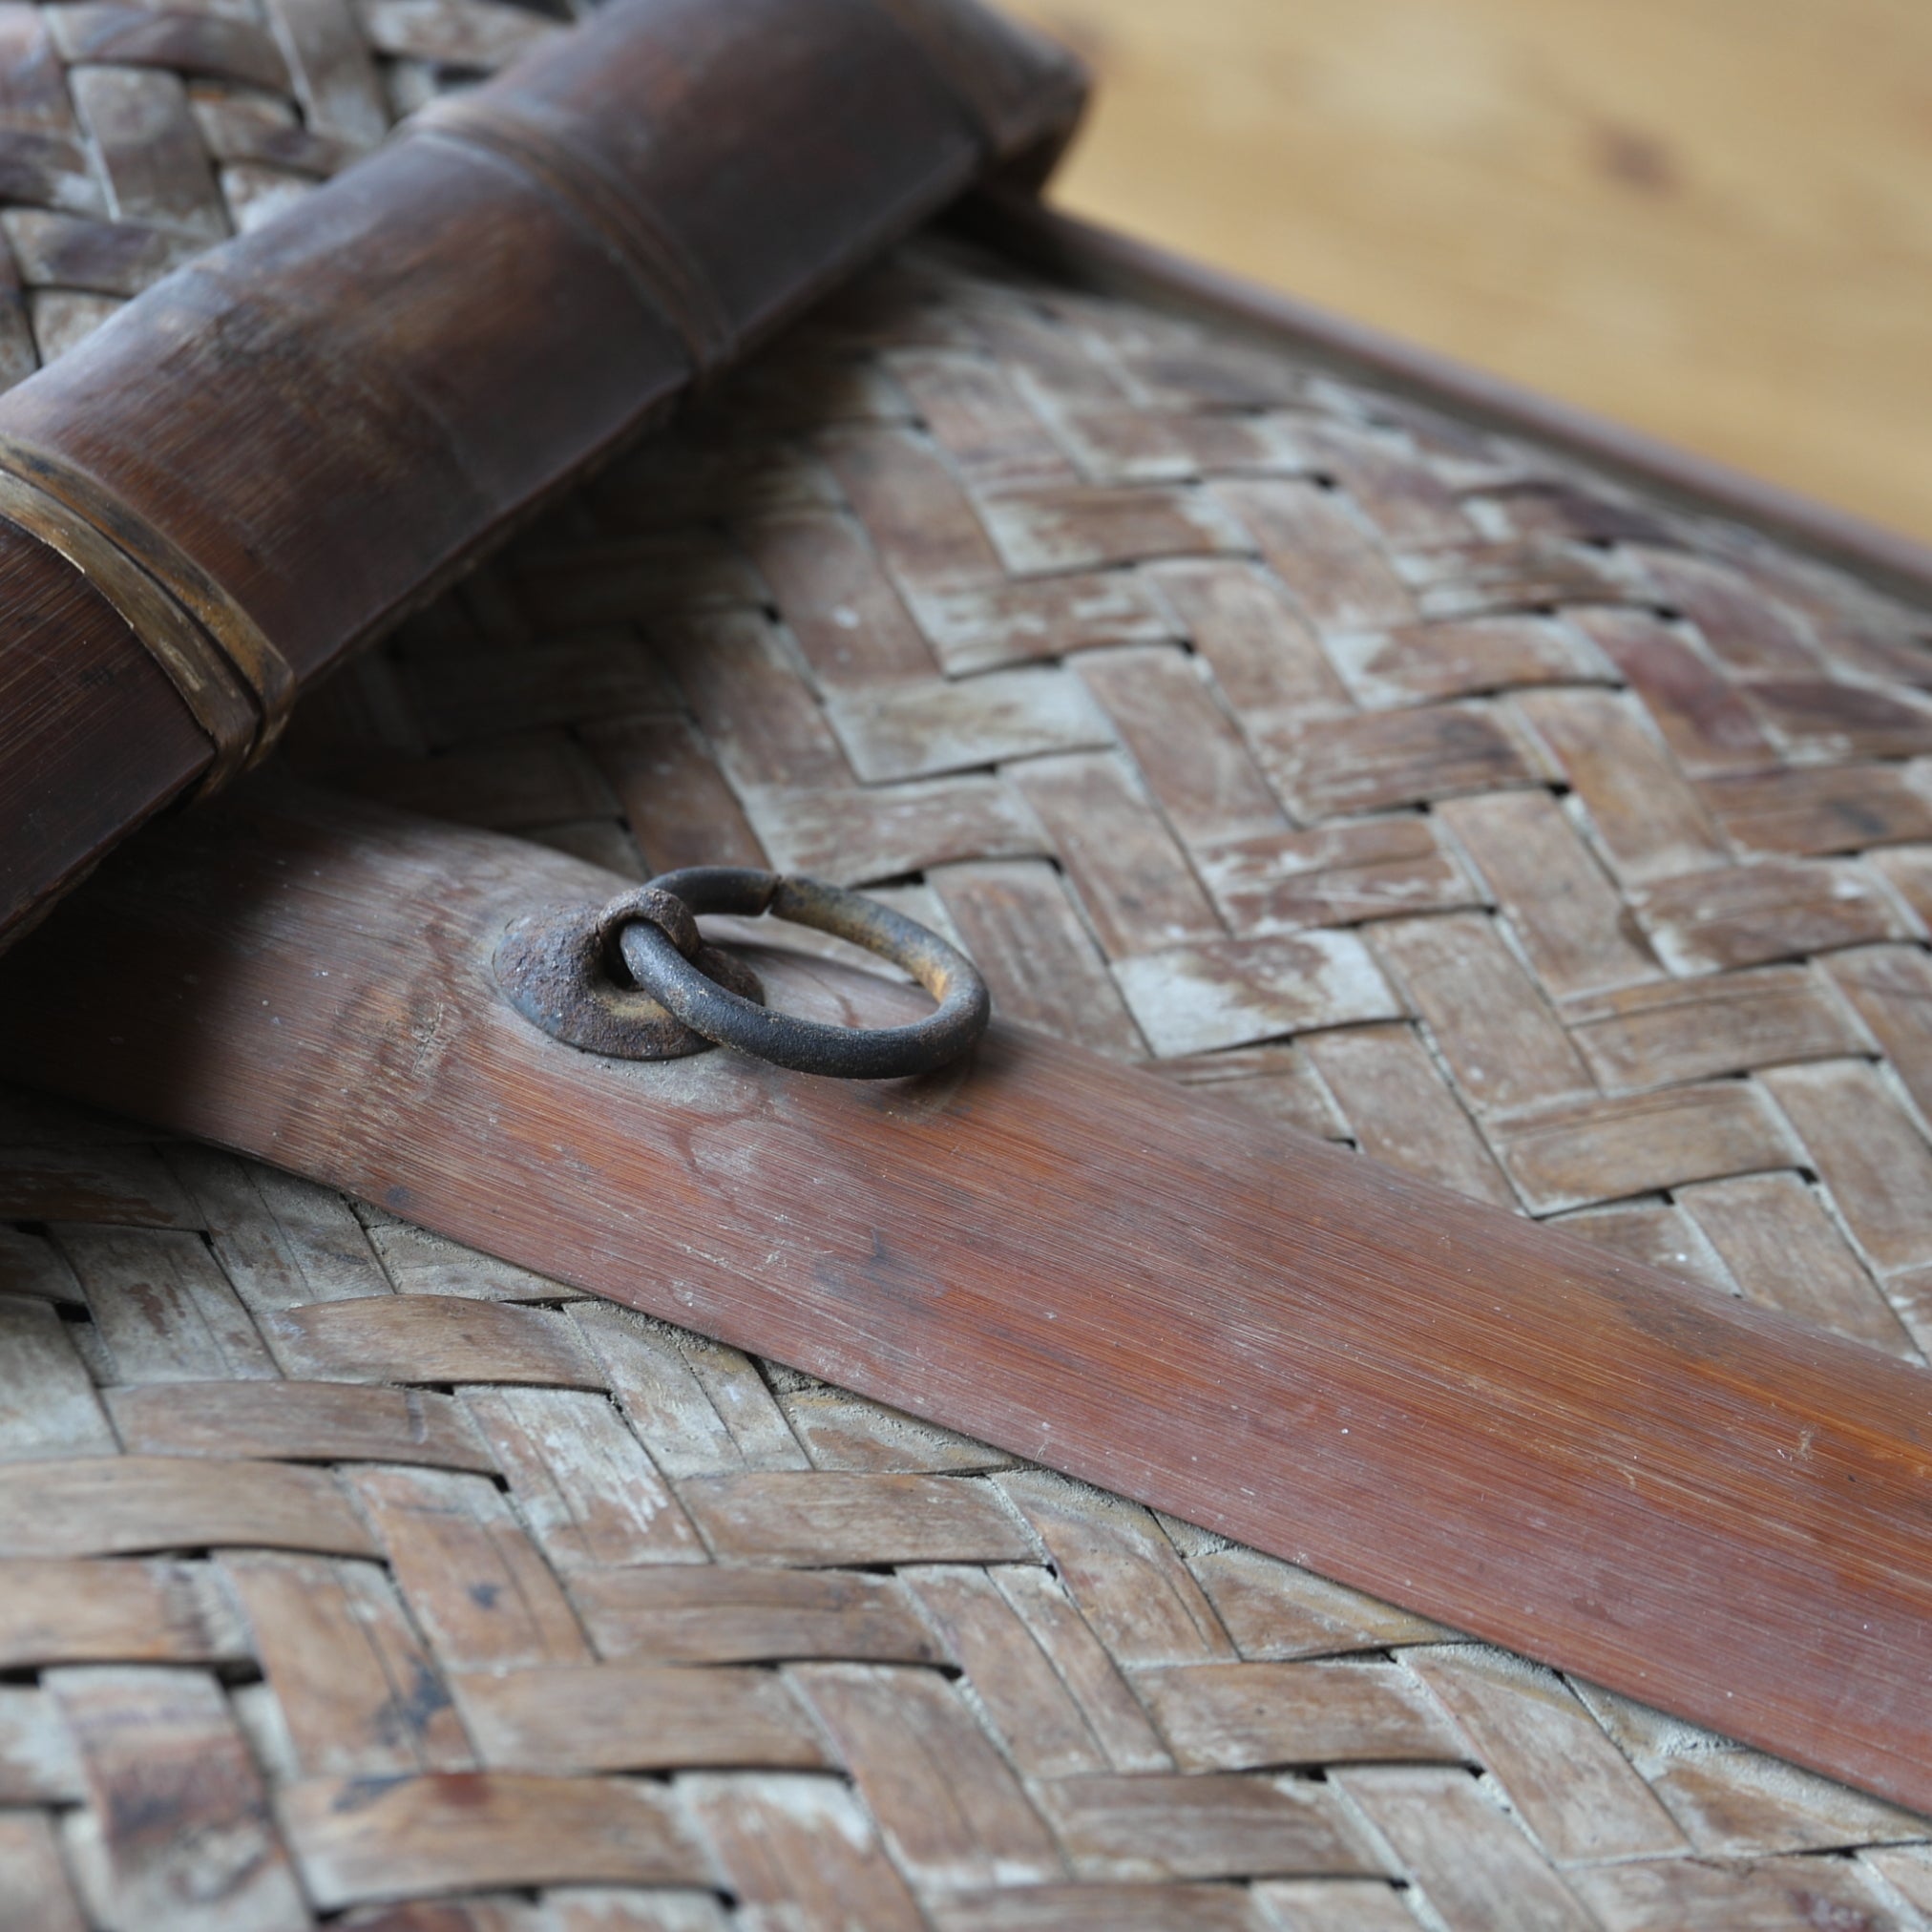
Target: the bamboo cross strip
(1708, 1507)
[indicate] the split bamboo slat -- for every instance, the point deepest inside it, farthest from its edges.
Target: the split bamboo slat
(1402, 781)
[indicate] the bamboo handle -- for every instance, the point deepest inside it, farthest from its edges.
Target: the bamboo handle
(274, 453)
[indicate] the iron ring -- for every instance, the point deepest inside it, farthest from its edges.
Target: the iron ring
(808, 1045)
(559, 968)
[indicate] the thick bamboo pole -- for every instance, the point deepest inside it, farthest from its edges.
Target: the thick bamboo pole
(267, 459)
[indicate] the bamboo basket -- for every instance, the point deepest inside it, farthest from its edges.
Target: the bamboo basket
(1419, 783)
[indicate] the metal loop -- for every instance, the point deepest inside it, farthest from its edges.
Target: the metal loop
(557, 968)
(808, 1045)
(664, 910)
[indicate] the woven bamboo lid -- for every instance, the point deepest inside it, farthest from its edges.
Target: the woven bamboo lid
(1403, 781)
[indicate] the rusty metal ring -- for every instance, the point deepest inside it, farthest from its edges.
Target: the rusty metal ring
(664, 910)
(560, 968)
(806, 1045)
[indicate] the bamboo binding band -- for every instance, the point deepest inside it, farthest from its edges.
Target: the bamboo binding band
(237, 684)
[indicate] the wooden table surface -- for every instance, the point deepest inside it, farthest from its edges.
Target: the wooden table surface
(1711, 219)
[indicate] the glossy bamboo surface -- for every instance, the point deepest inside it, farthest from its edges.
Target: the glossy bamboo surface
(330, 414)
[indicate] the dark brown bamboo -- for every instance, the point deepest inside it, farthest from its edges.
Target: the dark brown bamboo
(328, 416)
(1712, 1508)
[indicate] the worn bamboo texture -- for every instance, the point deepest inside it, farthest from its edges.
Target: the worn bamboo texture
(680, 1642)
(133, 141)
(283, 444)
(1400, 782)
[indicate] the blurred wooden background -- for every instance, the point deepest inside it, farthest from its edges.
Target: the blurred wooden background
(1712, 219)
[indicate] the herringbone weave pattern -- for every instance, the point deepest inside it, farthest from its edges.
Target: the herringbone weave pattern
(1404, 783)
(131, 138)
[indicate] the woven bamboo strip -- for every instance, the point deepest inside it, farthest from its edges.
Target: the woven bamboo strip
(1163, 671)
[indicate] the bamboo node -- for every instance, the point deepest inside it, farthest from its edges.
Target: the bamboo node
(236, 683)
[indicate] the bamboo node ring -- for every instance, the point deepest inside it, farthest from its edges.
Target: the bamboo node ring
(236, 685)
